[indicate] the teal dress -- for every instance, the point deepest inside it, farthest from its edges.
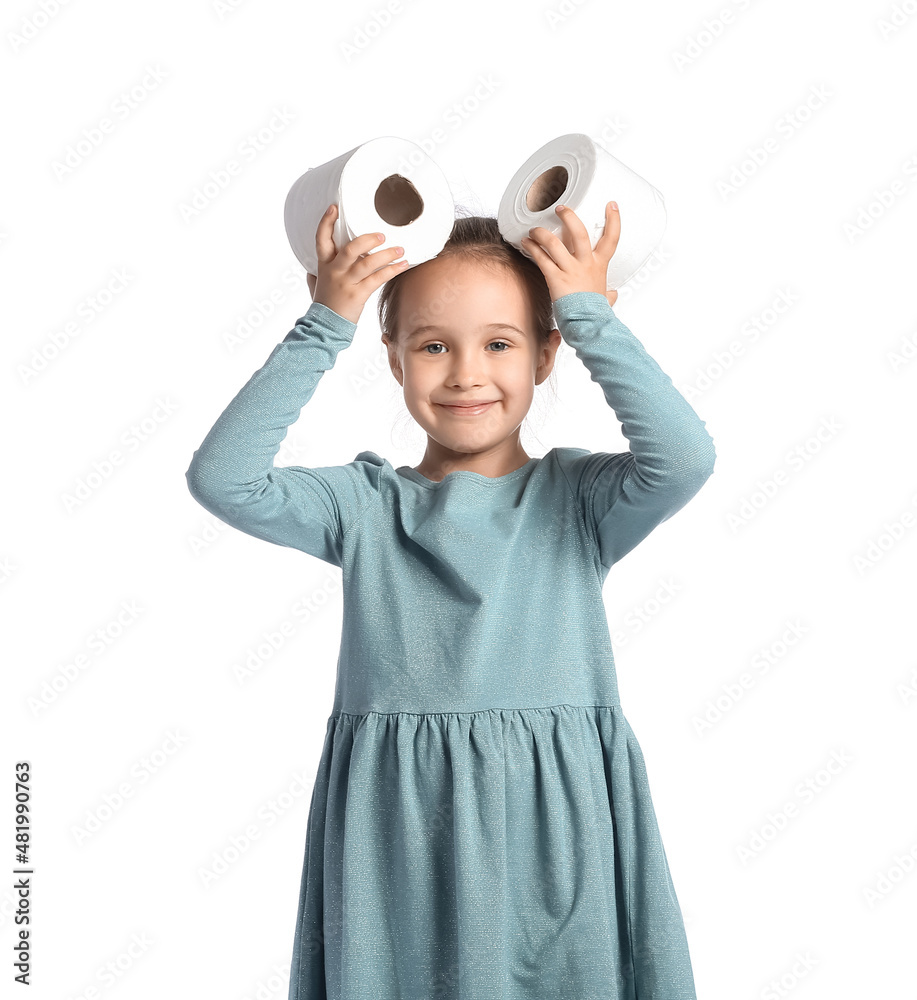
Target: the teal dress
(480, 826)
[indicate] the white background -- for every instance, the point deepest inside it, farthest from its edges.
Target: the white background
(782, 137)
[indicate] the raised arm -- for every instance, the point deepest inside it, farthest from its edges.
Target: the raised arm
(626, 494)
(232, 473)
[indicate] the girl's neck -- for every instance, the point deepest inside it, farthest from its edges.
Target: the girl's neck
(438, 463)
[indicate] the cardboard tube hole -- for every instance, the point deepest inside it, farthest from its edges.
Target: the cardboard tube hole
(397, 201)
(546, 189)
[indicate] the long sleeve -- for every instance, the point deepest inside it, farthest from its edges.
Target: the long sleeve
(232, 472)
(624, 495)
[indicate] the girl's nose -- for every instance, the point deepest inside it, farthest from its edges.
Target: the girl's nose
(467, 368)
(466, 379)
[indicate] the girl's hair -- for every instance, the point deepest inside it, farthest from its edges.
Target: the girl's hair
(478, 238)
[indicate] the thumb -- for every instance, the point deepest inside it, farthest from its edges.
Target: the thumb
(324, 243)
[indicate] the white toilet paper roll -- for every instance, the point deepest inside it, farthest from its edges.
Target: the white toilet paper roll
(576, 170)
(387, 185)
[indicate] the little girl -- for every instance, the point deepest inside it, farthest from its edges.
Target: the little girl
(481, 826)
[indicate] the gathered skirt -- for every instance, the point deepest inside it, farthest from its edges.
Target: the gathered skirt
(504, 854)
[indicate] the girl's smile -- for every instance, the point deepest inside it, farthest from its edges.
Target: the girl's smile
(467, 409)
(468, 359)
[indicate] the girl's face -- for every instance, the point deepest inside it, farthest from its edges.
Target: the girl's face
(465, 336)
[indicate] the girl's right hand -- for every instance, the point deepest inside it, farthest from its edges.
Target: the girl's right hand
(347, 277)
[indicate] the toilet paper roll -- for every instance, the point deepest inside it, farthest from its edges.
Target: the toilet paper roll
(387, 185)
(578, 171)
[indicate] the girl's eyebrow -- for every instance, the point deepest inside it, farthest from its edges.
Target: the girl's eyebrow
(489, 326)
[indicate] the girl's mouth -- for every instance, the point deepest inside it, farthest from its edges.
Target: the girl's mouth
(467, 411)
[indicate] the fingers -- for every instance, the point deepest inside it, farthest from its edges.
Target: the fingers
(359, 246)
(541, 239)
(535, 249)
(608, 241)
(575, 235)
(352, 253)
(574, 229)
(324, 240)
(378, 278)
(366, 264)
(324, 243)
(575, 239)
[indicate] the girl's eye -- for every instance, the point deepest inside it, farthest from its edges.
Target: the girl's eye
(496, 342)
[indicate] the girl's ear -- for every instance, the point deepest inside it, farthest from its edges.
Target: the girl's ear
(393, 362)
(548, 356)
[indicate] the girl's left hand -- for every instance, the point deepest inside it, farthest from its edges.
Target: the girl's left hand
(570, 264)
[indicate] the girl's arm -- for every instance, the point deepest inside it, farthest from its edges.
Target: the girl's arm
(626, 494)
(232, 473)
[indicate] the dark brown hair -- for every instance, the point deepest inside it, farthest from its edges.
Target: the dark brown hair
(478, 238)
